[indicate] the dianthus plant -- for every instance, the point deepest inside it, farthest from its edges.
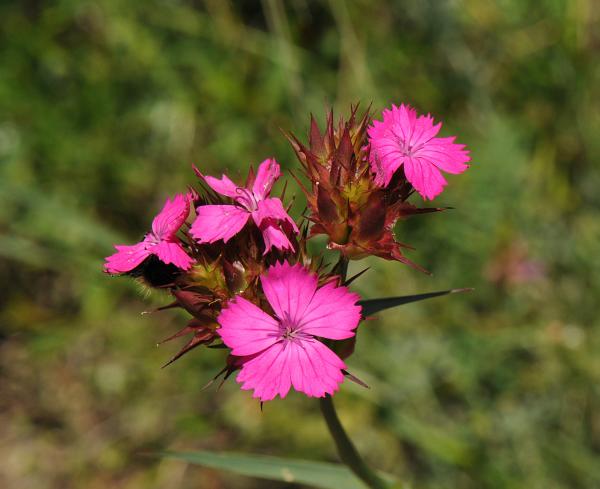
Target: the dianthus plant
(233, 257)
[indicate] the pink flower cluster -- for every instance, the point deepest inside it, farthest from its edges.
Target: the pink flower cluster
(242, 267)
(213, 222)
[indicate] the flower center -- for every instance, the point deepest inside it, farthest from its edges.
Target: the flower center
(288, 329)
(405, 147)
(151, 240)
(247, 199)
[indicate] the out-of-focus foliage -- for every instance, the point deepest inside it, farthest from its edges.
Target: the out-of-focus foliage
(105, 105)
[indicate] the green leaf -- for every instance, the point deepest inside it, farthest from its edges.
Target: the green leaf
(317, 474)
(373, 306)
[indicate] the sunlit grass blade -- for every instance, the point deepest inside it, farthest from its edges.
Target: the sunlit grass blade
(373, 306)
(316, 474)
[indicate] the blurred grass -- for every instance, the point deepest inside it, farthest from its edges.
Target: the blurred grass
(105, 105)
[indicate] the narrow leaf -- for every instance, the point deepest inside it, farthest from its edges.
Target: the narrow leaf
(316, 474)
(373, 306)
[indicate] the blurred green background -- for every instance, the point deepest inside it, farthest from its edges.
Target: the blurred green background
(105, 105)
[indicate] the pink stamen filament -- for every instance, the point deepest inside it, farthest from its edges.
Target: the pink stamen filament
(247, 199)
(289, 330)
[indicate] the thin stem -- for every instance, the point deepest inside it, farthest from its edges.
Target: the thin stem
(346, 449)
(341, 268)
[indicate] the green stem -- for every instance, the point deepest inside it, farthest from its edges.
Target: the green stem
(341, 267)
(346, 449)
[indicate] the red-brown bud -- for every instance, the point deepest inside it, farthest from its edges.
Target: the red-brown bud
(345, 204)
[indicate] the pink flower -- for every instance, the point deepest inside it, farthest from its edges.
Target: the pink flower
(162, 241)
(402, 138)
(282, 351)
(215, 222)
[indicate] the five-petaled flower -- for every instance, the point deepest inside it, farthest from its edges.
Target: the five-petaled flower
(216, 222)
(282, 350)
(403, 139)
(162, 241)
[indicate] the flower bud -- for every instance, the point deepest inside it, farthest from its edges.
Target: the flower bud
(344, 201)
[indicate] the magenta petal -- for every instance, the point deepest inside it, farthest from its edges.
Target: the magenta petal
(289, 289)
(424, 131)
(273, 236)
(126, 258)
(316, 369)
(171, 217)
(215, 222)
(446, 155)
(224, 186)
(268, 173)
(405, 117)
(272, 208)
(247, 329)
(424, 177)
(268, 373)
(386, 158)
(171, 252)
(307, 365)
(332, 313)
